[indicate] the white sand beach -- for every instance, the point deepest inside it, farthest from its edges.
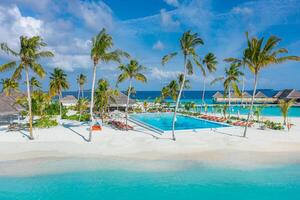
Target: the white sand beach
(224, 146)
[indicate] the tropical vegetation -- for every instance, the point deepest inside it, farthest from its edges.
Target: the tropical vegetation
(28, 58)
(131, 71)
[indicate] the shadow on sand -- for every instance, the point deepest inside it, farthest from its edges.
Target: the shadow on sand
(70, 126)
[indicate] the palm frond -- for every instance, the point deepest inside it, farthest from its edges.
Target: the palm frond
(216, 80)
(168, 57)
(44, 54)
(4, 47)
(7, 66)
(38, 69)
(189, 67)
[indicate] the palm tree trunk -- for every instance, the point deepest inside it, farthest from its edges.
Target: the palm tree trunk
(128, 96)
(243, 87)
(178, 100)
(252, 102)
(203, 95)
(82, 94)
(229, 101)
(29, 104)
(78, 96)
(60, 104)
(92, 102)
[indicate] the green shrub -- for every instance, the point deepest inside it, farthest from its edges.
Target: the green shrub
(45, 122)
(273, 125)
(83, 118)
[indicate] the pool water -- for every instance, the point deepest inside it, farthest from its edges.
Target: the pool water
(163, 121)
(197, 182)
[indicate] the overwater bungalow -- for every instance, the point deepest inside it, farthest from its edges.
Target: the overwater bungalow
(288, 94)
(260, 97)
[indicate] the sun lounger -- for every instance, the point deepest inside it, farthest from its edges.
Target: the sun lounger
(121, 126)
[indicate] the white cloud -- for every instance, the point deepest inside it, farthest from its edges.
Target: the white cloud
(242, 10)
(96, 15)
(167, 20)
(160, 74)
(13, 25)
(71, 62)
(174, 3)
(158, 45)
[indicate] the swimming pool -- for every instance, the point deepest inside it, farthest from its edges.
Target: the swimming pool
(163, 122)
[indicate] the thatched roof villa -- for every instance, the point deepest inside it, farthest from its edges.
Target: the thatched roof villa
(68, 101)
(119, 102)
(9, 109)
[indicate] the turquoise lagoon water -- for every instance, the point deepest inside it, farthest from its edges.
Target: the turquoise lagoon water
(163, 121)
(193, 182)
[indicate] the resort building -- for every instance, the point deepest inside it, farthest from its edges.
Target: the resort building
(9, 109)
(68, 101)
(119, 102)
(260, 97)
(288, 94)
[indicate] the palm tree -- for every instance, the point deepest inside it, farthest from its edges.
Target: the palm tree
(9, 86)
(81, 80)
(284, 107)
(58, 83)
(209, 63)
(258, 55)
(101, 44)
(103, 95)
(231, 80)
(172, 89)
(82, 105)
(133, 70)
(188, 44)
(28, 56)
(34, 83)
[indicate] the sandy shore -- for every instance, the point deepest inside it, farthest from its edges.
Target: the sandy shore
(224, 146)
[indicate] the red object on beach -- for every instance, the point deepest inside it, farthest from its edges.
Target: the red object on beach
(96, 128)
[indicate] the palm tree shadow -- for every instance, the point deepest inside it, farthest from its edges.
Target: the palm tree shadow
(150, 134)
(224, 133)
(25, 134)
(70, 126)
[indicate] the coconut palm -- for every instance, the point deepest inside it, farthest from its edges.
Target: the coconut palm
(34, 83)
(188, 44)
(28, 56)
(100, 51)
(82, 105)
(9, 86)
(285, 105)
(58, 83)
(172, 89)
(231, 80)
(258, 55)
(132, 71)
(132, 91)
(40, 101)
(81, 80)
(208, 64)
(103, 95)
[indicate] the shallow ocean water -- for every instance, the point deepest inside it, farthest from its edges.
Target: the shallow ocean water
(191, 182)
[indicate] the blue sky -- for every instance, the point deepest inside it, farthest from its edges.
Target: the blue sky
(150, 29)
